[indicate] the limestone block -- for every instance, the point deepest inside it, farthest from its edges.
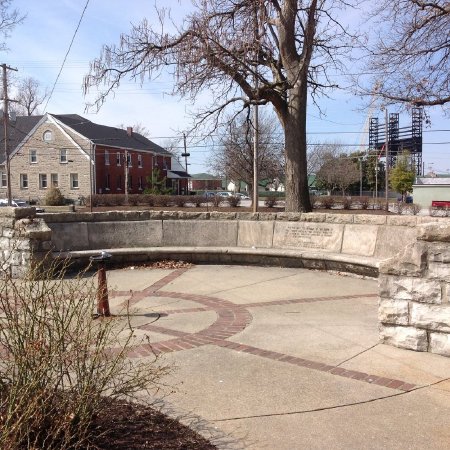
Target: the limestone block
(430, 317)
(267, 216)
(13, 258)
(439, 253)
(255, 234)
(359, 239)
(73, 236)
(216, 215)
(169, 215)
(445, 292)
(208, 233)
(392, 240)
(435, 232)
(6, 221)
(404, 337)
(5, 243)
(22, 213)
(405, 221)
(241, 216)
(406, 288)
(103, 235)
(393, 312)
(323, 236)
(197, 215)
(440, 343)
(8, 232)
(339, 218)
(313, 217)
(368, 219)
(289, 216)
(440, 271)
(411, 262)
(155, 215)
(33, 229)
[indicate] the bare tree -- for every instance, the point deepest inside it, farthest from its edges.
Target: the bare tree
(411, 58)
(337, 169)
(8, 20)
(247, 53)
(234, 157)
(29, 96)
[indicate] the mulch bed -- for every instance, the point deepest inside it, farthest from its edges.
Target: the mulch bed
(135, 427)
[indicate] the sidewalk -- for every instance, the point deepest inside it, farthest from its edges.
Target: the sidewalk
(278, 358)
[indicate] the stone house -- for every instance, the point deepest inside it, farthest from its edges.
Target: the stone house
(80, 157)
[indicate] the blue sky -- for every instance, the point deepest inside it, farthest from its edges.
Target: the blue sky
(38, 46)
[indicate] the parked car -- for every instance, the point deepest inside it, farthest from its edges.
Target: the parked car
(19, 204)
(241, 196)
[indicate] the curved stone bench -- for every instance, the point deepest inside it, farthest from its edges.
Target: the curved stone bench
(360, 265)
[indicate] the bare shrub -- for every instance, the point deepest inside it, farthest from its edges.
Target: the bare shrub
(347, 202)
(162, 200)
(197, 200)
(364, 202)
(149, 200)
(400, 207)
(58, 364)
(216, 200)
(414, 208)
(134, 199)
(270, 202)
(328, 202)
(181, 200)
(234, 201)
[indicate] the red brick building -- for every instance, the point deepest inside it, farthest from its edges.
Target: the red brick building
(81, 157)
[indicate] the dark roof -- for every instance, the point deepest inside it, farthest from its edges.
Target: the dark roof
(17, 131)
(180, 173)
(205, 176)
(110, 136)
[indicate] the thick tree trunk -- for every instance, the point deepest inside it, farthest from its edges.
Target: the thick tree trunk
(294, 121)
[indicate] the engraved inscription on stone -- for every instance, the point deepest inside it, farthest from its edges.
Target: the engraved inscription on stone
(321, 236)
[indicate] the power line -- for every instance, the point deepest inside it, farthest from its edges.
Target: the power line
(67, 53)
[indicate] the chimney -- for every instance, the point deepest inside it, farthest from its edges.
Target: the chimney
(129, 131)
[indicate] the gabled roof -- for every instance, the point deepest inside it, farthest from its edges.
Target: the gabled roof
(98, 134)
(17, 131)
(108, 136)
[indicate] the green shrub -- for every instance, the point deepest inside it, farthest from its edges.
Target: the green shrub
(53, 197)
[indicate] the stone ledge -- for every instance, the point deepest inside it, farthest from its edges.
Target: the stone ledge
(316, 260)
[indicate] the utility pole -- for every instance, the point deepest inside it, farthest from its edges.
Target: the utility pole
(125, 164)
(386, 130)
(256, 119)
(5, 128)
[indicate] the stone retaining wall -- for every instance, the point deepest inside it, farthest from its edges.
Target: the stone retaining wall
(376, 236)
(414, 308)
(24, 240)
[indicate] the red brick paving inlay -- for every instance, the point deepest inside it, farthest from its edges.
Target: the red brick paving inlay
(231, 319)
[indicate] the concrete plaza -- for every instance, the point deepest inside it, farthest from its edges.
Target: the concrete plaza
(284, 358)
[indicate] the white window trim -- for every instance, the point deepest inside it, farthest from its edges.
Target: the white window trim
(35, 154)
(107, 163)
(41, 178)
(139, 158)
(71, 179)
(51, 136)
(21, 178)
(60, 156)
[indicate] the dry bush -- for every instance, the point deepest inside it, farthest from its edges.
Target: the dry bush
(216, 200)
(270, 202)
(401, 207)
(197, 200)
(414, 208)
(328, 202)
(162, 200)
(364, 202)
(347, 202)
(53, 197)
(234, 201)
(181, 200)
(58, 364)
(134, 199)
